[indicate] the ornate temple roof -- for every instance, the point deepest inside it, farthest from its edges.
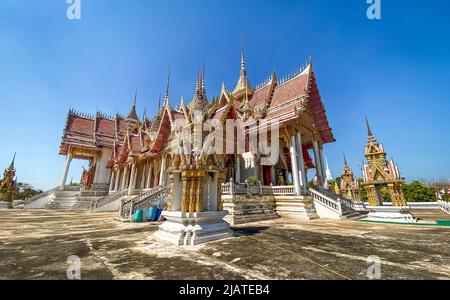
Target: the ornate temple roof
(273, 99)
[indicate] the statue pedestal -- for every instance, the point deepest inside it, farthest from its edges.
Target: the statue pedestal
(400, 214)
(5, 205)
(193, 228)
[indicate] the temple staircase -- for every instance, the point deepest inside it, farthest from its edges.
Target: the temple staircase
(38, 201)
(109, 202)
(331, 206)
(155, 197)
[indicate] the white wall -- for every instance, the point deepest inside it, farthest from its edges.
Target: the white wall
(103, 176)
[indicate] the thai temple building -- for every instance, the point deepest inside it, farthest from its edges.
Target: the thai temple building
(8, 185)
(128, 153)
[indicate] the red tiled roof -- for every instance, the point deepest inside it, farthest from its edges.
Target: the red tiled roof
(260, 96)
(80, 125)
(105, 126)
(290, 90)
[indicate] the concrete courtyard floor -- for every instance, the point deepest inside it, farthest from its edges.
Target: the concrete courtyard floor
(36, 244)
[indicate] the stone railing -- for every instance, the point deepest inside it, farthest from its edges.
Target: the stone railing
(40, 196)
(232, 188)
(443, 205)
(329, 200)
(157, 195)
(108, 199)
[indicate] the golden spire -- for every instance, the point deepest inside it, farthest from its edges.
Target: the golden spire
(369, 131)
(166, 96)
(133, 115)
(242, 86)
(11, 166)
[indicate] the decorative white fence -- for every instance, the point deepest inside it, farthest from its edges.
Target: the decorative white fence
(440, 204)
(108, 199)
(156, 196)
(232, 188)
(327, 204)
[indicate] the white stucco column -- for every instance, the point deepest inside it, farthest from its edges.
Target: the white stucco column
(318, 162)
(112, 183)
(322, 164)
(255, 166)
(162, 173)
(97, 170)
(155, 168)
(124, 177)
(301, 165)
(238, 168)
(65, 171)
(294, 166)
(143, 173)
(116, 187)
(132, 185)
(149, 175)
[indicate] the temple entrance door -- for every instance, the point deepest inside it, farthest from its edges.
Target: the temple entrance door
(267, 175)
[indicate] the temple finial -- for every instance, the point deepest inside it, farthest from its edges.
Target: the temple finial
(167, 86)
(345, 160)
(135, 97)
(13, 160)
(159, 102)
(369, 131)
(242, 59)
(182, 102)
(203, 76)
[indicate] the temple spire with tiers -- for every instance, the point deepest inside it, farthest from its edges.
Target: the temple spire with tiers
(243, 86)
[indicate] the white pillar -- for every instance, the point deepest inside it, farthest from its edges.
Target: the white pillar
(65, 171)
(132, 185)
(155, 167)
(116, 187)
(162, 176)
(111, 184)
(238, 168)
(124, 177)
(301, 165)
(322, 164)
(255, 166)
(294, 166)
(318, 162)
(143, 173)
(149, 175)
(97, 170)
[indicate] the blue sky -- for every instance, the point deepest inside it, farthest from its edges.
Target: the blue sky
(395, 70)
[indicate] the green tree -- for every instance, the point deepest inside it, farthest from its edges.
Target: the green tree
(417, 191)
(25, 190)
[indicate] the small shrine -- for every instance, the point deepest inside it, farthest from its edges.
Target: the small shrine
(378, 173)
(8, 186)
(349, 187)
